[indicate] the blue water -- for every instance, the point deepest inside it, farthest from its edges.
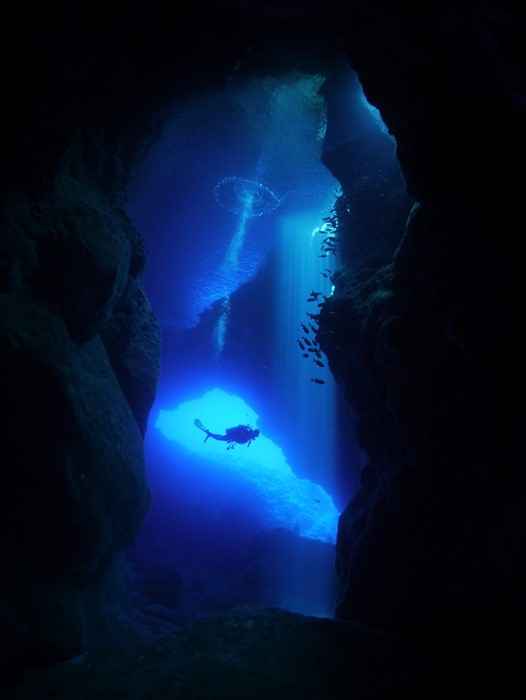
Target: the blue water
(246, 199)
(219, 201)
(290, 502)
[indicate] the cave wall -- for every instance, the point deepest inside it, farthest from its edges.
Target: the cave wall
(361, 154)
(85, 95)
(427, 346)
(427, 351)
(80, 351)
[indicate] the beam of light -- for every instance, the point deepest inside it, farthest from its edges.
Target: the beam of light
(299, 273)
(220, 330)
(297, 504)
(221, 326)
(231, 261)
(230, 267)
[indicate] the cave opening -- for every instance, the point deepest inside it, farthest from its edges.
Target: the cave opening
(236, 201)
(205, 162)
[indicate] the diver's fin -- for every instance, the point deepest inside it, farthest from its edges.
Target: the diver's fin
(199, 424)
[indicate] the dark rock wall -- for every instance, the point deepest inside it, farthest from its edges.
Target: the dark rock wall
(360, 153)
(80, 345)
(77, 394)
(428, 346)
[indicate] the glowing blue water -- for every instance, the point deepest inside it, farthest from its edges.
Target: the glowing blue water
(230, 268)
(297, 504)
(248, 199)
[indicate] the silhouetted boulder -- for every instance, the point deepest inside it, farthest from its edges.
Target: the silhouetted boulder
(75, 478)
(245, 653)
(84, 256)
(77, 492)
(132, 340)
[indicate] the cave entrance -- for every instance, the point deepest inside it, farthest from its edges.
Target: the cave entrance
(236, 207)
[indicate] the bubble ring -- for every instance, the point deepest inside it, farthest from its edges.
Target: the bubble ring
(241, 196)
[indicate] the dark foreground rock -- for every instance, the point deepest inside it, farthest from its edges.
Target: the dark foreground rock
(80, 358)
(249, 654)
(244, 654)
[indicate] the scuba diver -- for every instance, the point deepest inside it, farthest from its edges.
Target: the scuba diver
(241, 434)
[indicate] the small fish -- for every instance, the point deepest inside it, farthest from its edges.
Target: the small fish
(317, 381)
(320, 364)
(312, 350)
(317, 500)
(306, 354)
(300, 343)
(307, 342)
(318, 354)
(324, 274)
(315, 295)
(305, 329)
(323, 256)
(313, 328)
(315, 317)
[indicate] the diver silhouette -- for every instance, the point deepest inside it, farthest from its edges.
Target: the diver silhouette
(240, 434)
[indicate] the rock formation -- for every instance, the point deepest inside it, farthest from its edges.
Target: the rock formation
(426, 345)
(77, 395)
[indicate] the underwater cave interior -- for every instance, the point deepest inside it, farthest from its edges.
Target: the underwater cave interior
(260, 320)
(234, 203)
